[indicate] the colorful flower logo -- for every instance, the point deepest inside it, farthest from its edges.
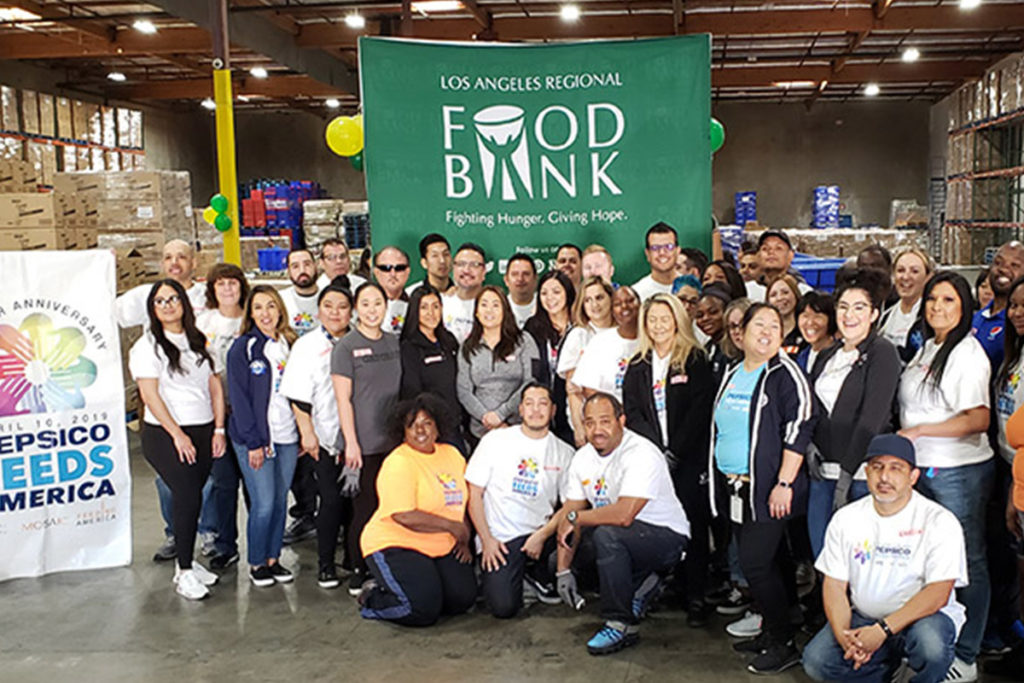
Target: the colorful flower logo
(601, 487)
(862, 553)
(396, 323)
(528, 468)
(41, 368)
(448, 482)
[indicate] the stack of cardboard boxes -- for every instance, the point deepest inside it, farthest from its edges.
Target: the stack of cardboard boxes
(31, 220)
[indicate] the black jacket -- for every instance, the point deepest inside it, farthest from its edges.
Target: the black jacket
(864, 406)
(782, 417)
(431, 367)
(544, 371)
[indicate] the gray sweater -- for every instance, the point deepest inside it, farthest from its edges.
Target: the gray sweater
(485, 383)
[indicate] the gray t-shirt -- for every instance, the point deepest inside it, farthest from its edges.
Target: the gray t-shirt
(375, 368)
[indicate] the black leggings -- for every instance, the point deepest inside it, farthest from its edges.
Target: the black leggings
(363, 507)
(415, 590)
(185, 481)
(768, 567)
(334, 510)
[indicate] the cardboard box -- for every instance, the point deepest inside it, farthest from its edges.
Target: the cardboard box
(87, 238)
(27, 210)
(65, 130)
(47, 121)
(79, 121)
(30, 112)
(37, 240)
(17, 176)
(9, 119)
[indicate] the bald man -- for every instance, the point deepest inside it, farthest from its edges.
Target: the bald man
(179, 262)
(988, 323)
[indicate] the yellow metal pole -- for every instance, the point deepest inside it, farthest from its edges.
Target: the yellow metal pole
(226, 170)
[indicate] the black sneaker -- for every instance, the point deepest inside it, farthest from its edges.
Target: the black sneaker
(355, 583)
(223, 561)
(167, 551)
(543, 591)
(299, 530)
(752, 645)
(775, 659)
(261, 576)
(328, 577)
(737, 602)
(281, 573)
(697, 614)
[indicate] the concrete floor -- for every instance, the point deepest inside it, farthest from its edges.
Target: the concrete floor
(129, 625)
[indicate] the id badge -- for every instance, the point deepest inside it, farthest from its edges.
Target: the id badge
(736, 508)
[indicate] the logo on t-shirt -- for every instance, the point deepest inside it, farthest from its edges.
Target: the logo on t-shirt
(862, 553)
(396, 323)
(995, 332)
(601, 493)
(257, 367)
(525, 482)
(1005, 404)
(620, 372)
(452, 494)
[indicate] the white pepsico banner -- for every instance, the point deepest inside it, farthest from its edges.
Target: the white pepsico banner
(65, 484)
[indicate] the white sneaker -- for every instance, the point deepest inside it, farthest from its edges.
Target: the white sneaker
(188, 585)
(747, 627)
(207, 577)
(961, 671)
(207, 541)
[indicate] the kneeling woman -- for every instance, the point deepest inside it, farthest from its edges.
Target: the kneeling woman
(416, 544)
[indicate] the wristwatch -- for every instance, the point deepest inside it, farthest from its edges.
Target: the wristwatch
(885, 627)
(784, 484)
(572, 517)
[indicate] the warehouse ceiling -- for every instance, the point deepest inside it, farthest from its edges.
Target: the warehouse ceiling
(762, 50)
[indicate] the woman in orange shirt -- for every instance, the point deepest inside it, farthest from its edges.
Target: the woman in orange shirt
(416, 544)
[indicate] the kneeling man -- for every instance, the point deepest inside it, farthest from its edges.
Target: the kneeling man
(900, 555)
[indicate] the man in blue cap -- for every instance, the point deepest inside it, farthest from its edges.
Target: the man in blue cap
(899, 555)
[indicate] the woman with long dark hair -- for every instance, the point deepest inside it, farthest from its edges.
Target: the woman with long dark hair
(816, 320)
(262, 428)
(183, 424)
(944, 410)
(667, 394)
(549, 327)
(784, 294)
(725, 273)
(495, 363)
(429, 363)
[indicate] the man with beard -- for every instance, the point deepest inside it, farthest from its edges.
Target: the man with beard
(458, 305)
(391, 271)
(335, 260)
(300, 298)
(891, 561)
(989, 322)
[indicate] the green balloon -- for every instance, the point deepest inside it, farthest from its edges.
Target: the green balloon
(222, 222)
(357, 161)
(219, 203)
(717, 135)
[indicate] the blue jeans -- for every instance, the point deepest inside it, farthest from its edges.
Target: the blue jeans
(965, 491)
(220, 503)
(927, 644)
(819, 508)
(268, 494)
(163, 492)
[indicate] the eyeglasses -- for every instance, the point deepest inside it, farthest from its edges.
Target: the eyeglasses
(469, 264)
(857, 308)
(735, 326)
(397, 268)
(172, 300)
(661, 247)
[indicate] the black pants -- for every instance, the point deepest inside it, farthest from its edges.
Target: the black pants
(334, 510)
(185, 481)
(503, 588)
(694, 497)
(363, 507)
(1000, 548)
(415, 590)
(304, 488)
(768, 568)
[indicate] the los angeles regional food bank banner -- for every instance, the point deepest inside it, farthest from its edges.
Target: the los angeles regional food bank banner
(522, 148)
(65, 487)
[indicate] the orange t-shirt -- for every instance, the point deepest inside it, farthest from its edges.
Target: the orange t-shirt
(1015, 437)
(411, 480)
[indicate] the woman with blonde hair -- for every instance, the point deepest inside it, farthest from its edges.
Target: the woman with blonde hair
(591, 313)
(668, 393)
(900, 324)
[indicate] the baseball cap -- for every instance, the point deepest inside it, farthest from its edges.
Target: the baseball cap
(774, 233)
(895, 445)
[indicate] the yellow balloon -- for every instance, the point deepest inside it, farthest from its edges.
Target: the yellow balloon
(358, 118)
(344, 136)
(209, 215)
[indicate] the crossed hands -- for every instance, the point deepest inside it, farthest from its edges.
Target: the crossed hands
(859, 644)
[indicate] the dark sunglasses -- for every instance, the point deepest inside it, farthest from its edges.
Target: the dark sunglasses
(400, 268)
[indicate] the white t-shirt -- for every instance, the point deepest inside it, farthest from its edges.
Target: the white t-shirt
(221, 332)
(646, 287)
(131, 306)
(186, 394)
(888, 560)
(280, 418)
(603, 364)
(395, 316)
(353, 281)
(964, 386)
(523, 479)
(458, 315)
(307, 378)
(659, 378)
(756, 292)
(1009, 397)
(303, 311)
(572, 348)
(832, 376)
(636, 469)
(897, 325)
(523, 313)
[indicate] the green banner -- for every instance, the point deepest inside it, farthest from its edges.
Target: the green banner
(522, 148)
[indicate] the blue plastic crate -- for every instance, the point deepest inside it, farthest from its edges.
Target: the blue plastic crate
(819, 273)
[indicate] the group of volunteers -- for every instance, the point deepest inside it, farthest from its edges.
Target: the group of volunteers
(715, 436)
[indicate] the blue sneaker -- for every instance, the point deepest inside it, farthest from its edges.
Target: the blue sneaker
(612, 637)
(646, 594)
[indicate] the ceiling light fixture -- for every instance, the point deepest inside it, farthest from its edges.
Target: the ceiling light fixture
(356, 21)
(437, 6)
(117, 76)
(144, 26)
(872, 89)
(332, 103)
(570, 12)
(911, 54)
(258, 72)
(795, 84)
(208, 103)
(16, 14)
(969, 4)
